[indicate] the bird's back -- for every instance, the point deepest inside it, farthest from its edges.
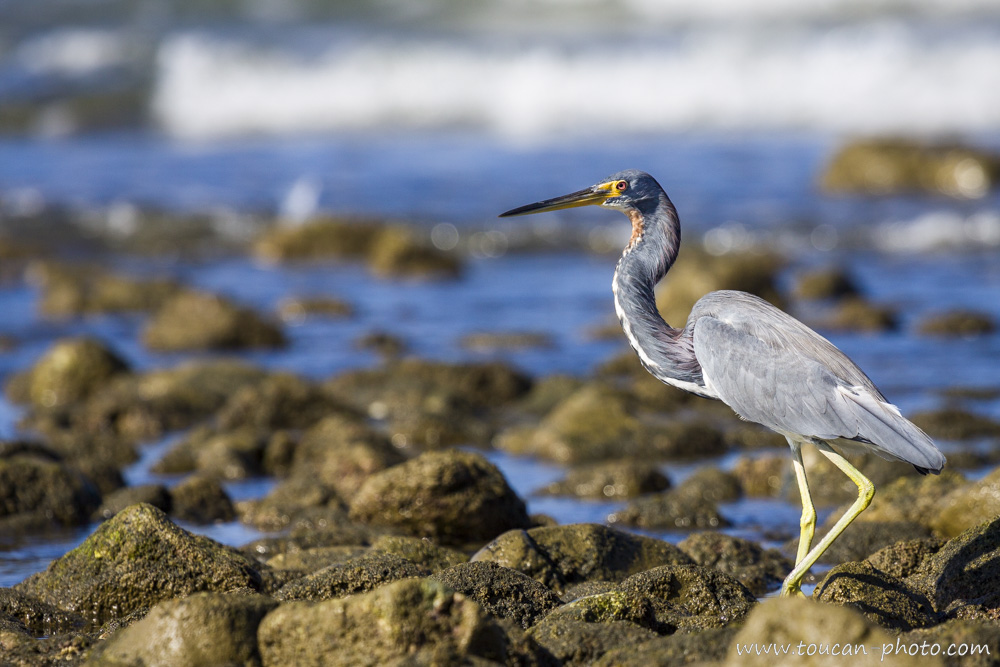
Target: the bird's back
(774, 370)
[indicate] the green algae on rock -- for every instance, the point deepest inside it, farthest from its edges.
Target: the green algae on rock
(454, 497)
(691, 596)
(903, 559)
(759, 569)
(201, 629)
(38, 618)
(416, 620)
(200, 321)
(880, 597)
(421, 551)
(68, 372)
(561, 556)
(357, 575)
(134, 560)
(503, 592)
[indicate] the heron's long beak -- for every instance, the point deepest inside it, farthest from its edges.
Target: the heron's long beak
(595, 194)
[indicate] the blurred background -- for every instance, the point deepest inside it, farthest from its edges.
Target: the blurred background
(852, 143)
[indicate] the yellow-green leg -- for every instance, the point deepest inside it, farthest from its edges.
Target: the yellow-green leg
(866, 491)
(807, 525)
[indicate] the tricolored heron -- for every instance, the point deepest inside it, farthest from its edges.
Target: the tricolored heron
(763, 363)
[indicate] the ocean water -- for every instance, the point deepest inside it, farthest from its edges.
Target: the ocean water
(440, 112)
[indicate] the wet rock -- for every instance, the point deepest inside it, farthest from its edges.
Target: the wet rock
(22, 650)
(561, 556)
(52, 492)
(967, 506)
(399, 252)
(72, 291)
(679, 509)
(903, 559)
(341, 453)
(585, 588)
(313, 560)
(609, 607)
(298, 310)
(857, 314)
(548, 392)
(382, 343)
(201, 500)
(895, 165)
(281, 401)
(300, 498)
(711, 484)
(38, 618)
(421, 551)
(804, 626)
(914, 499)
(682, 648)
(236, 454)
(156, 495)
(697, 273)
(762, 476)
(826, 283)
(758, 569)
(979, 642)
(691, 596)
(320, 239)
(201, 321)
(69, 371)
(575, 642)
(880, 597)
(959, 323)
(312, 531)
(452, 496)
(136, 559)
(829, 486)
(614, 479)
(749, 436)
(964, 571)
(512, 340)
(203, 629)
(503, 592)
(357, 575)
(598, 423)
(416, 620)
(956, 424)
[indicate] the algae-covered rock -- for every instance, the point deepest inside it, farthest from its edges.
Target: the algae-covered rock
(610, 607)
(964, 571)
(136, 559)
(421, 551)
(956, 424)
(598, 423)
(71, 291)
(880, 597)
(156, 495)
(416, 620)
(225, 454)
(967, 506)
(976, 643)
(201, 629)
(41, 619)
(298, 310)
(306, 561)
(488, 341)
(914, 499)
(689, 506)
(400, 252)
(201, 499)
(691, 596)
(503, 592)
(452, 496)
(805, 627)
(903, 559)
(682, 648)
(319, 239)
(762, 476)
(298, 498)
(200, 321)
(51, 491)
(282, 400)
(759, 569)
(613, 479)
(69, 371)
(561, 556)
(357, 575)
(577, 643)
(957, 323)
(857, 314)
(884, 166)
(825, 283)
(862, 538)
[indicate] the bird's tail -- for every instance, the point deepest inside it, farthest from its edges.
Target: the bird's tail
(882, 425)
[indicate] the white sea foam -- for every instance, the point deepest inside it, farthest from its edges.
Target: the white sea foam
(75, 51)
(940, 230)
(863, 78)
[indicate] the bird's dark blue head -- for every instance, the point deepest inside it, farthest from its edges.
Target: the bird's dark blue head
(627, 190)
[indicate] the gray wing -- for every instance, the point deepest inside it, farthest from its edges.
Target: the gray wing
(773, 370)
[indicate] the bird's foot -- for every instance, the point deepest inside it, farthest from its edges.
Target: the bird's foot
(792, 589)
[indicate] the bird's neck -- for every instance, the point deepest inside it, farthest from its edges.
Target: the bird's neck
(652, 249)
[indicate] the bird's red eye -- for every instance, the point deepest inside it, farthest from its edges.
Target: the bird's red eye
(621, 186)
